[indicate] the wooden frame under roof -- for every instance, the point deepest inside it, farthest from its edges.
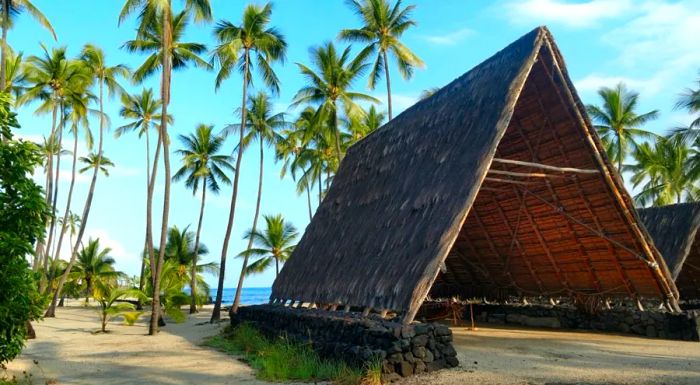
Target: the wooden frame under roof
(500, 178)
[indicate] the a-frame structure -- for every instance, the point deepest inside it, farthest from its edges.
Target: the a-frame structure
(497, 185)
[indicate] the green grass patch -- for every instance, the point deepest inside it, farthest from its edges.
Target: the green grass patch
(283, 360)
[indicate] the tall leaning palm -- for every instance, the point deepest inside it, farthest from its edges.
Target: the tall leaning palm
(11, 8)
(243, 47)
(263, 126)
(618, 124)
(143, 114)
(382, 28)
(202, 165)
(329, 87)
(272, 245)
(104, 76)
(155, 13)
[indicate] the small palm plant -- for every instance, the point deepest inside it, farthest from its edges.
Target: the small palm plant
(108, 297)
(272, 245)
(94, 264)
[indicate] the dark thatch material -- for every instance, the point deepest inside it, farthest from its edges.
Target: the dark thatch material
(674, 229)
(415, 196)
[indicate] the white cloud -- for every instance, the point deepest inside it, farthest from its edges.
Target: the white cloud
(125, 261)
(573, 15)
(66, 175)
(450, 38)
(661, 40)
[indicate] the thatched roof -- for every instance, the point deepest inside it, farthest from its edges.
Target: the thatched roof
(674, 229)
(430, 189)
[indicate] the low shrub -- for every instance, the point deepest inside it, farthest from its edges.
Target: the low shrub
(131, 317)
(284, 360)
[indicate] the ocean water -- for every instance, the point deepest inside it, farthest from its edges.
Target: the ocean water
(249, 295)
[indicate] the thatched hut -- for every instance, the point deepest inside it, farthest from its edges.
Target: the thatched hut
(674, 229)
(496, 185)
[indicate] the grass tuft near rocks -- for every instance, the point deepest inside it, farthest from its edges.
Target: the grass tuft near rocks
(283, 360)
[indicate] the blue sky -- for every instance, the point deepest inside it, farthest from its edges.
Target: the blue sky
(649, 44)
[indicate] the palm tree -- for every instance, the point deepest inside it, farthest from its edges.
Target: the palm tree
(108, 296)
(55, 82)
(262, 125)
(92, 160)
(382, 28)
(70, 223)
(428, 92)
(78, 115)
(667, 172)
(16, 74)
(274, 245)
(689, 100)
(143, 111)
(94, 264)
(363, 126)
(619, 125)
(157, 20)
(202, 163)
(105, 76)
(330, 86)
(237, 46)
(11, 8)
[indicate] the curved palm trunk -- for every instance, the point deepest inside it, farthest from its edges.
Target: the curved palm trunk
(277, 266)
(239, 288)
(51, 311)
(215, 315)
(320, 188)
(388, 83)
(148, 196)
(149, 207)
(165, 91)
(69, 199)
(41, 248)
(54, 203)
(308, 201)
(193, 272)
(336, 132)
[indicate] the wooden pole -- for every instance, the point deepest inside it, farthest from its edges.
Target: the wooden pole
(546, 166)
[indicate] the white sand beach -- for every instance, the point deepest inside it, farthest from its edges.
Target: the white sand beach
(68, 351)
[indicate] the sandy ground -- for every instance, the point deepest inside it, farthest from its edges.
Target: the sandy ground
(69, 352)
(528, 356)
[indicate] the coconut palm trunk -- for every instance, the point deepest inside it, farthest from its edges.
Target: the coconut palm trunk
(388, 83)
(165, 97)
(239, 288)
(66, 214)
(148, 199)
(41, 249)
(336, 133)
(215, 315)
(51, 311)
(308, 201)
(193, 272)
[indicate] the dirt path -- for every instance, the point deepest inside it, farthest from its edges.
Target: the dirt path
(68, 351)
(526, 356)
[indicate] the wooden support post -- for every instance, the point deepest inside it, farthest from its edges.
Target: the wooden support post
(346, 309)
(334, 307)
(383, 313)
(366, 311)
(525, 175)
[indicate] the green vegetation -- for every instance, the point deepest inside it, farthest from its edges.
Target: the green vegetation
(282, 360)
(23, 212)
